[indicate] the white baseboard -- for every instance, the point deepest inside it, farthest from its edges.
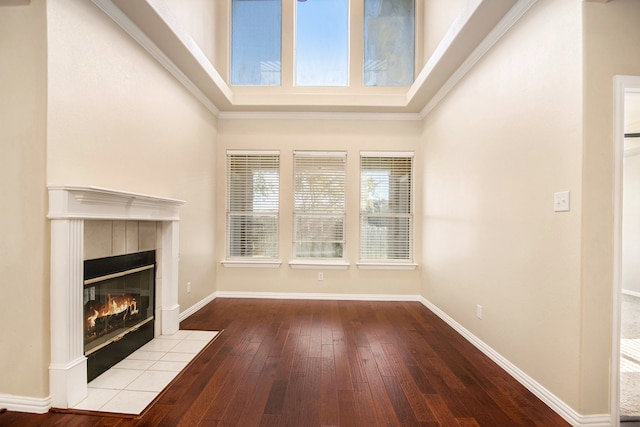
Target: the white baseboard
(317, 296)
(197, 306)
(551, 400)
(25, 404)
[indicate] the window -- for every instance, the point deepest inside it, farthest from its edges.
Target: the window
(388, 42)
(253, 181)
(322, 37)
(319, 204)
(386, 212)
(256, 27)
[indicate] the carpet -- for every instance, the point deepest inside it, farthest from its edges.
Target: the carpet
(630, 357)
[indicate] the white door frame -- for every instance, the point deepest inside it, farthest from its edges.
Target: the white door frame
(623, 85)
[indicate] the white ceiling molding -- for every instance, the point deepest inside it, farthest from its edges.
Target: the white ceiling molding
(476, 21)
(513, 16)
(477, 28)
(288, 115)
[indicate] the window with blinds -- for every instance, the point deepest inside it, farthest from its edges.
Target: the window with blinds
(319, 204)
(253, 193)
(386, 207)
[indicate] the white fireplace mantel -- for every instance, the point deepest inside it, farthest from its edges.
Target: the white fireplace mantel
(69, 207)
(68, 201)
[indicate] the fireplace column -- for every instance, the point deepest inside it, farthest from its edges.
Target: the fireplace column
(168, 295)
(68, 368)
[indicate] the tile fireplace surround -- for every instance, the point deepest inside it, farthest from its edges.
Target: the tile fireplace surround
(69, 207)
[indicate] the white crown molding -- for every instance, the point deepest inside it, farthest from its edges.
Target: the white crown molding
(513, 16)
(120, 18)
(259, 115)
(173, 48)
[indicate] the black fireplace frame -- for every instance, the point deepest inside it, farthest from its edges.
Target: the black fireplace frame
(102, 359)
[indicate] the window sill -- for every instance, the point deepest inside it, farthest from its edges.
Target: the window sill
(386, 265)
(323, 264)
(252, 263)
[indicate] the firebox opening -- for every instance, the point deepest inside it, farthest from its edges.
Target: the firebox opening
(118, 299)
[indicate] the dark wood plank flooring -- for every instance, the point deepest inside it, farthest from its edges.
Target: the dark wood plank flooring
(329, 363)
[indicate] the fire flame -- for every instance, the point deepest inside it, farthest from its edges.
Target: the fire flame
(114, 305)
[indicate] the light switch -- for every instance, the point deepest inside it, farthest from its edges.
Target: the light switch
(561, 201)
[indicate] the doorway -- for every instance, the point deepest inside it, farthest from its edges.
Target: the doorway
(626, 334)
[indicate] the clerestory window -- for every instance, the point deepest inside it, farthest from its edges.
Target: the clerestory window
(256, 41)
(322, 38)
(320, 55)
(389, 42)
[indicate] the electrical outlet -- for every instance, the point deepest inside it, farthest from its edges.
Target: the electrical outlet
(479, 311)
(188, 287)
(561, 201)
(320, 276)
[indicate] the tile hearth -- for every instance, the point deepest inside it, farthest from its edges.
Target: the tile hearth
(131, 385)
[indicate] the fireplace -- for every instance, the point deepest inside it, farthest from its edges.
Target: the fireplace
(72, 212)
(118, 301)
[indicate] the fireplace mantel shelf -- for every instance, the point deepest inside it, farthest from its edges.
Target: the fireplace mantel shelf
(90, 202)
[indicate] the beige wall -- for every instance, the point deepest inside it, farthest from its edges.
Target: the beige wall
(24, 245)
(289, 135)
(611, 40)
(118, 119)
(496, 149)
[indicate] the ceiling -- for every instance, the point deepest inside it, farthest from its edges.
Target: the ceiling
(478, 27)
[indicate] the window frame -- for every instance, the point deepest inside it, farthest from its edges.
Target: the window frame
(251, 261)
(355, 55)
(388, 263)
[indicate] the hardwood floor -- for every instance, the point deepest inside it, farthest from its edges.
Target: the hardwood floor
(329, 363)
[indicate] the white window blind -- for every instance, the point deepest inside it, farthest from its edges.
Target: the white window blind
(386, 207)
(319, 204)
(253, 192)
